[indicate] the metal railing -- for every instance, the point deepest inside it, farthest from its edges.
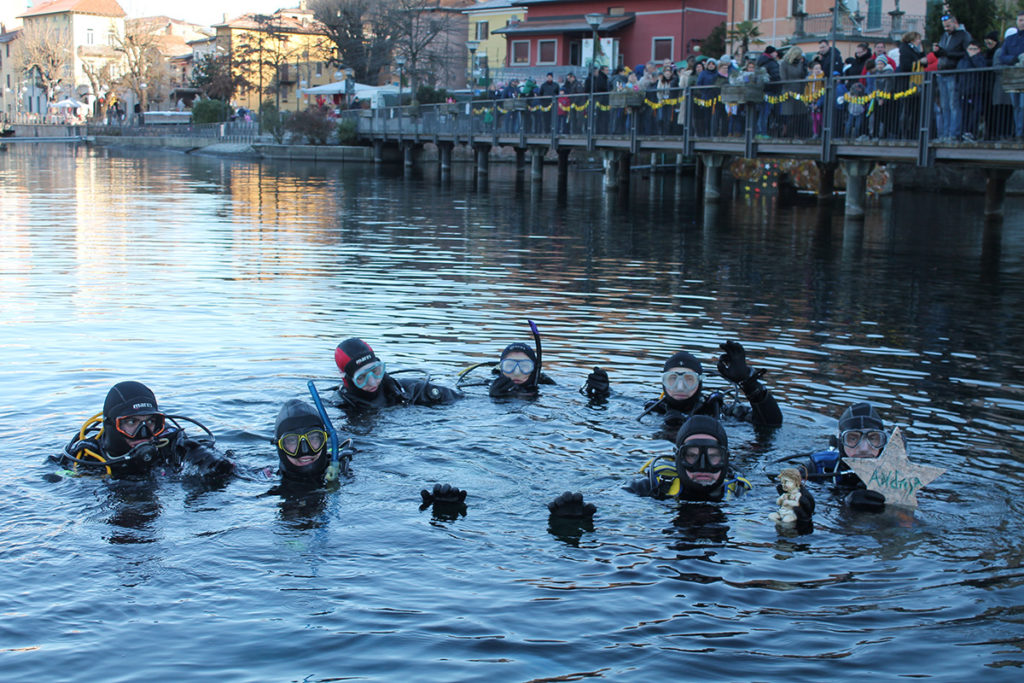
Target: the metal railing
(230, 131)
(919, 112)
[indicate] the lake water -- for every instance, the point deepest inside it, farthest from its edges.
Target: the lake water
(225, 285)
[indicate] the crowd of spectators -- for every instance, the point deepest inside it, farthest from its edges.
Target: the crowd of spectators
(878, 93)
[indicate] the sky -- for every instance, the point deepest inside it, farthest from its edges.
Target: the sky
(204, 12)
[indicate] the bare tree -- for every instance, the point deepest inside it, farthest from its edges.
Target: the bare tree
(100, 80)
(45, 52)
(368, 34)
(145, 70)
(364, 33)
(423, 30)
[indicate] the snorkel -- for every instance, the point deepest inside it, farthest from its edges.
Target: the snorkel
(536, 343)
(337, 463)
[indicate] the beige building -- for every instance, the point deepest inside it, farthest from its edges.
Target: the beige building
(294, 50)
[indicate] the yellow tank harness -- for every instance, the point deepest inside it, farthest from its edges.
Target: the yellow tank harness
(661, 472)
(84, 447)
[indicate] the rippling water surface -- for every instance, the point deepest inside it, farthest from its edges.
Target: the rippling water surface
(226, 285)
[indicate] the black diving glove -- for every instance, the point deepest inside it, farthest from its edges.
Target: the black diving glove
(443, 494)
(805, 506)
(732, 365)
(571, 506)
(863, 500)
(597, 385)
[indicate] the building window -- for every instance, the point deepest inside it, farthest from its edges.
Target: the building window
(796, 8)
(661, 48)
(753, 9)
(547, 52)
(319, 69)
(616, 11)
(874, 14)
(90, 37)
(112, 38)
(520, 52)
(482, 30)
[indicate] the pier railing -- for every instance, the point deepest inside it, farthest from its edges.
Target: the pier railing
(921, 117)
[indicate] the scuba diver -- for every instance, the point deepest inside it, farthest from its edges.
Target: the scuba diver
(132, 437)
(303, 439)
(366, 384)
(699, 468)
(519, 373)
(682, 380)
(861, 435)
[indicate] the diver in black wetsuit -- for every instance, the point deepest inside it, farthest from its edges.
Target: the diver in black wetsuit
(699, 469)
(301, 440)
(367, 385)
(132, 437)
(519, 373)
(861, 435)
(683, 379)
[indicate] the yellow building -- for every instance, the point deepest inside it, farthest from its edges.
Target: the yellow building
(293, 48)
(484, 18)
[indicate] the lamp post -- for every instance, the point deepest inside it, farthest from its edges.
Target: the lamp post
(594, 20)
(400, 62)
(472, 45)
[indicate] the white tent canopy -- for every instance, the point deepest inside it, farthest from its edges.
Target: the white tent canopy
(68, 104)
(359, 89)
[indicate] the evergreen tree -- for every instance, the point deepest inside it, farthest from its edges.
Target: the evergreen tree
(977, 16)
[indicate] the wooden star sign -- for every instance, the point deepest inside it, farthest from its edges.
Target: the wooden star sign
(892, 474)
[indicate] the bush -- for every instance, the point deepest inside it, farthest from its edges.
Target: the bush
(210, 111)
(311, 124)
(347, 131)
(273, 121)
(426, 94)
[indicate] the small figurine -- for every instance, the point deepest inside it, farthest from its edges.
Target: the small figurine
(790, 480)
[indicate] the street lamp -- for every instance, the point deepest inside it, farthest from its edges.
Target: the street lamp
(400, 62)
(472, 45)
(594, 20)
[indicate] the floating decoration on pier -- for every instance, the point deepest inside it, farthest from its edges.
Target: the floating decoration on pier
(892, 474)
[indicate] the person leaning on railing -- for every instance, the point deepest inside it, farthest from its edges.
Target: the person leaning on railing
(1013, 49)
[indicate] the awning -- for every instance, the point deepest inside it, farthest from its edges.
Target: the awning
(576, 25)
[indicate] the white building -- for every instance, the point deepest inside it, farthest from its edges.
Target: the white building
(89, 29)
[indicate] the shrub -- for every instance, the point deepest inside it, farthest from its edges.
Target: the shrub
(210, 111)
(311, 124)
(273, 121)
(347, 131)
(426, 94)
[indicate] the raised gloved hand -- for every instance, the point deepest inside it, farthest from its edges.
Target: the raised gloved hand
(866, 501)
(597, 385)
(571, 506)
(444, 494)
(732, 365)
(805, 506)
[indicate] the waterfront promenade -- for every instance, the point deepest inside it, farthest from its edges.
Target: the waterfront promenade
(830, 123)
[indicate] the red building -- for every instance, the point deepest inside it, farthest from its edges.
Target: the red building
(555, 34)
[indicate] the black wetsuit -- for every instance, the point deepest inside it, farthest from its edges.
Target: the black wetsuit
(174, 449)
(503, 387)
(763, 411)
(394, 392)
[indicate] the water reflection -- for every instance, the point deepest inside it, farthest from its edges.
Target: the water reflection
(228, 284)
